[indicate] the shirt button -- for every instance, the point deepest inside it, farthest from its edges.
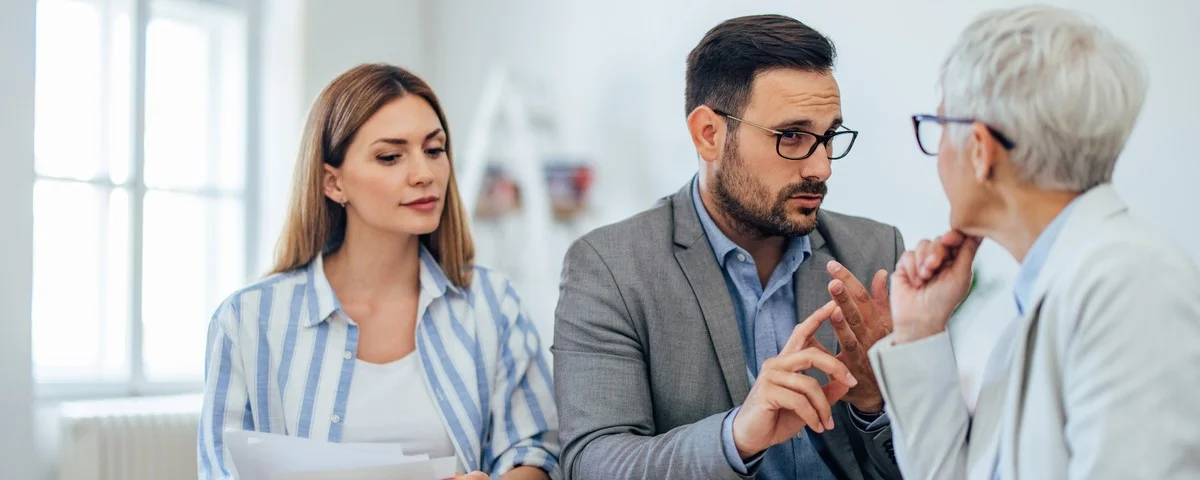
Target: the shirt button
(335, 419)
(347, 355)
(741, 257)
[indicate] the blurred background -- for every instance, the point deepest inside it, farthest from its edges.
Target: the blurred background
(150, 144)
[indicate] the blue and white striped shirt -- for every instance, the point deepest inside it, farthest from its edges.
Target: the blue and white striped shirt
(281, 356)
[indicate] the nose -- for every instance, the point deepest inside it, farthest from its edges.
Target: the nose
(421, 173)
(817, 166)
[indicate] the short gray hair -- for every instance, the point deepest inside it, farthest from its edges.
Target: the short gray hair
(1061, 87)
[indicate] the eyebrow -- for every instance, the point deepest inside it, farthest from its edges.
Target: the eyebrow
(804, 123)
(401, 141)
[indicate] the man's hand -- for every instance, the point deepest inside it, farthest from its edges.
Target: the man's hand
(929, 283)
(860, 319)
(783, 399)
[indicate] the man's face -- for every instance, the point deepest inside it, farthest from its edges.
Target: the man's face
(764, 194)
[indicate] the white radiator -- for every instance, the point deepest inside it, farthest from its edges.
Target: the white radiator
(141, 438)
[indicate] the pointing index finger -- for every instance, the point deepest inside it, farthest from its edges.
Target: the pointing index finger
(807, 328)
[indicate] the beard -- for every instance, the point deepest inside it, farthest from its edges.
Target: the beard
(752, 209)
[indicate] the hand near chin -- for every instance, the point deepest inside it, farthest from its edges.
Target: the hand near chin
(930, 281)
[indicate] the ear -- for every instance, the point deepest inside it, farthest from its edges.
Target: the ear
(983, 152)
(708, 132)
(332, 181)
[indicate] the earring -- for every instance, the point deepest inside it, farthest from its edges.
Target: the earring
(343, 204)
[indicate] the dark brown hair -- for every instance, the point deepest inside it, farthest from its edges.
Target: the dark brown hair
(722, 67)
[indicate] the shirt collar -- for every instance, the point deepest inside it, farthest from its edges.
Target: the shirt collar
(799, 248)
(323, 302)
(1036, 259)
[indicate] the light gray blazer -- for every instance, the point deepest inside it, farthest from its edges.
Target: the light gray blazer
(647, 355)
(1100, 379)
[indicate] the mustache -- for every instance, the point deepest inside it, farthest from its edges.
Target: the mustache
(808, 187)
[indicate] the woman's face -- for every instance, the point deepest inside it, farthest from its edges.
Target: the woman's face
(396, 170)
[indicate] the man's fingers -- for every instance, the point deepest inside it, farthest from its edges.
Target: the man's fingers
(805, 330)
(879, 292)
(834, 391)
(853, 287)
(812, 358)
(797, 403)
(841, 294)
(814, 343)
(809, 388)
(845, 335)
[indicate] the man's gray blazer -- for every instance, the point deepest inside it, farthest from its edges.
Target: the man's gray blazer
(648, 357)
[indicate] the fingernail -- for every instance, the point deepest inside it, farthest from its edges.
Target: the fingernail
(833, 266)
(838, 288)
(829, 423)
(850, 380)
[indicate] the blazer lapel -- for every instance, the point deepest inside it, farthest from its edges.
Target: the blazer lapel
(699, 264)
(810, 283)
(1090, 209)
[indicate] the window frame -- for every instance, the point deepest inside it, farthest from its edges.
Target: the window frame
(141, 12)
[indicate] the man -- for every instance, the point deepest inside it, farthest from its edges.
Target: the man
(669, 321)
(1098, 377)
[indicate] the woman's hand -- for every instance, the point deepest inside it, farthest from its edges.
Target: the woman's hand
(929, 283)
(473, 476)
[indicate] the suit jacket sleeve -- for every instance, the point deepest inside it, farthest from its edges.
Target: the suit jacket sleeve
(921, 394)
(603, 388)
(1130, 377)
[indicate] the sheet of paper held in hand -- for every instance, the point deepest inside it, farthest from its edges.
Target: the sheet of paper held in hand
(266, 456)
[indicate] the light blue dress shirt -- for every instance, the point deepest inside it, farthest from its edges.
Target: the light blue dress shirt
(1036, 259)
(766, 318)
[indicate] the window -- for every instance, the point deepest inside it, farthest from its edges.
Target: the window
(140, 195)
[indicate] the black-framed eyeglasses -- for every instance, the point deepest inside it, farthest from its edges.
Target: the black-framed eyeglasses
(798, 144)
(928, 129)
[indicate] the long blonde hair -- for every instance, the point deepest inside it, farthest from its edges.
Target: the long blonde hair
(316, 224)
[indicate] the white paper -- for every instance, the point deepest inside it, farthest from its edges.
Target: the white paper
(265, 456)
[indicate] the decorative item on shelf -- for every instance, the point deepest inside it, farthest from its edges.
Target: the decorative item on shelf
(568, 182)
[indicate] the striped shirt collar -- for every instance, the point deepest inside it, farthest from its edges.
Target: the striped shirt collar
(434, 283)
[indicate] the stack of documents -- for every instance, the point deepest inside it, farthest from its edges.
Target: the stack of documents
(265, 456)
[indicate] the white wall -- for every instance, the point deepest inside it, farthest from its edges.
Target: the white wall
(16, 244)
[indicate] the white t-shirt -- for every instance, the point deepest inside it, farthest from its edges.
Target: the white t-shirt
(389, 403)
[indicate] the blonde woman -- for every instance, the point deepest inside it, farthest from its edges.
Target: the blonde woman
(375, 326)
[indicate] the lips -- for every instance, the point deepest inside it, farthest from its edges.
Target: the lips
(421, 201)
(808, 201)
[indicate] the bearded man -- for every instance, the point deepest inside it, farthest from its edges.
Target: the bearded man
(691, 340)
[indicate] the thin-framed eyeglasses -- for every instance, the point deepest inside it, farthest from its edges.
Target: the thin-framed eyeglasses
(794, 144)
(928, 129)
